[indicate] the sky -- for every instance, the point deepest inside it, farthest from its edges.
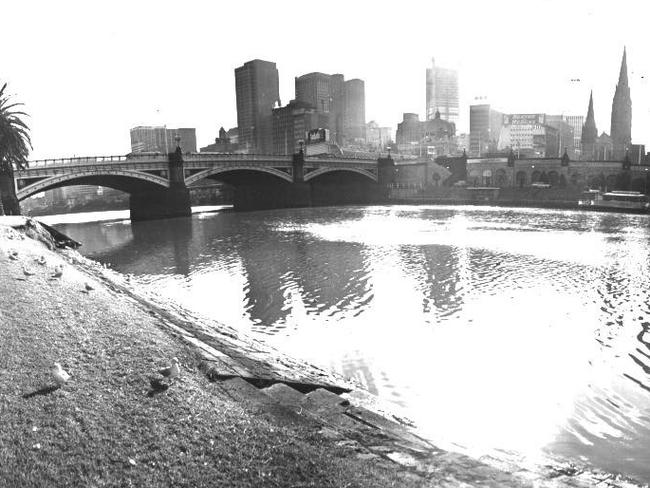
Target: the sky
(89, 71)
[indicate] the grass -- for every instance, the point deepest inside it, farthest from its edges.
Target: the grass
(105, 428)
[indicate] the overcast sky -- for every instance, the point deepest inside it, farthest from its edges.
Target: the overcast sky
(89, 71)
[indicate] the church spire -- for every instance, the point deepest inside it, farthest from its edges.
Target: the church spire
(589, 131)
(622, 76)
(590, 110)
(621, 128)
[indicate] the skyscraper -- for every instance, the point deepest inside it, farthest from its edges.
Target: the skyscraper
(162, 139)
(576, 121)
(485, 125)
(343, 101)
(323, 93)
(354, 110)
(257, 90)
(442, 93)
(621, 129)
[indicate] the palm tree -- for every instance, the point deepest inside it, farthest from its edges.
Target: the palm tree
(15, 144)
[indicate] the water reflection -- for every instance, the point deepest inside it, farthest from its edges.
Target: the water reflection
(523, 330)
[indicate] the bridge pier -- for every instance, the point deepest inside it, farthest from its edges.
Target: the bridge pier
(160, 204)
(260, 197)
(164, 203)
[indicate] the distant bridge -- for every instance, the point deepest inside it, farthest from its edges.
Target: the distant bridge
(156, 181)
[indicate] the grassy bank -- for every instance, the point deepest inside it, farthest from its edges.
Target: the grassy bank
(106, 427)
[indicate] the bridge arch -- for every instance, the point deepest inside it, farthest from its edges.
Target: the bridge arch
(214, 171)
(124, 180)
(321, 171)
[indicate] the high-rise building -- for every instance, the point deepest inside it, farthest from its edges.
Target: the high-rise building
(621, 129)
(292, 123)
(322, 92)
(442, 93)
(485, 126)
(354, 110)
(162, 140)
(529, 135)
(576, 122)
(565, 141)
(258, 92)
(343, 101)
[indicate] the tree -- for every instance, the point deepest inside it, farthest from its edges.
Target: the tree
(15, 144)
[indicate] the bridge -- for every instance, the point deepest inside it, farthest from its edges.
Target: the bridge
(158, 183)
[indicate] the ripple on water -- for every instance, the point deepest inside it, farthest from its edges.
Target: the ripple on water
(506, 328)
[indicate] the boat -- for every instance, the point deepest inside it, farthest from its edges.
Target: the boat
(616, 201)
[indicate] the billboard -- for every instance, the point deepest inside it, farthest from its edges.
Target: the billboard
(318, 135)
(523, 119)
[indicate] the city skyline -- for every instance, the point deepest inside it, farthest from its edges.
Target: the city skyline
(83, 97)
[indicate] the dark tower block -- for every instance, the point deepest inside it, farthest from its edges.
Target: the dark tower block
(622, 114)
(589, 133)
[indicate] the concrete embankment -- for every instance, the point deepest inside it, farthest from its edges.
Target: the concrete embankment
(240, 414)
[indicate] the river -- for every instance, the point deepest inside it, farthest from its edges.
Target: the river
(511, 331)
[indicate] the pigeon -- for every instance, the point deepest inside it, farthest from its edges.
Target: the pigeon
(59, 374)
(58, 271)
(28, 272)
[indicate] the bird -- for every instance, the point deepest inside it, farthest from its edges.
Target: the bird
(13, 254)
(171, 371)
(88, 286)
(58, 271)
(28, 272)
(59, 374)
(40, 260)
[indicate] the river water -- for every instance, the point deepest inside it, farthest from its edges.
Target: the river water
(497, 330)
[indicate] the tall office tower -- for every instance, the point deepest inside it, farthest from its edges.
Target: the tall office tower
(318, 90)
(162, 140)
(576, 121)
(589, 133)
(292, 123)
(566, 136)
(354, 110)
(314, 89)
(484, 129)
(442, 93)
(621, 129)
(258, 92)
(530, 135)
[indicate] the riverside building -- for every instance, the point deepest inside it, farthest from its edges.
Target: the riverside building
(257, 90)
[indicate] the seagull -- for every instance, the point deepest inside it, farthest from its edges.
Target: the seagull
(171, 371)
(58, 271)
(28, 272)
(89, 287)
(40, 260)
(13, 254)
(59, 374)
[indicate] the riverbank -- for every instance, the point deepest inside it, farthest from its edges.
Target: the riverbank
(107, 427)
(527, 197)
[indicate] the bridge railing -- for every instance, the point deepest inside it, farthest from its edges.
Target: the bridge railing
(44, 163)
(188, 157)
(211, 156)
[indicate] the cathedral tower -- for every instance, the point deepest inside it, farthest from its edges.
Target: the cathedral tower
(621, 130)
